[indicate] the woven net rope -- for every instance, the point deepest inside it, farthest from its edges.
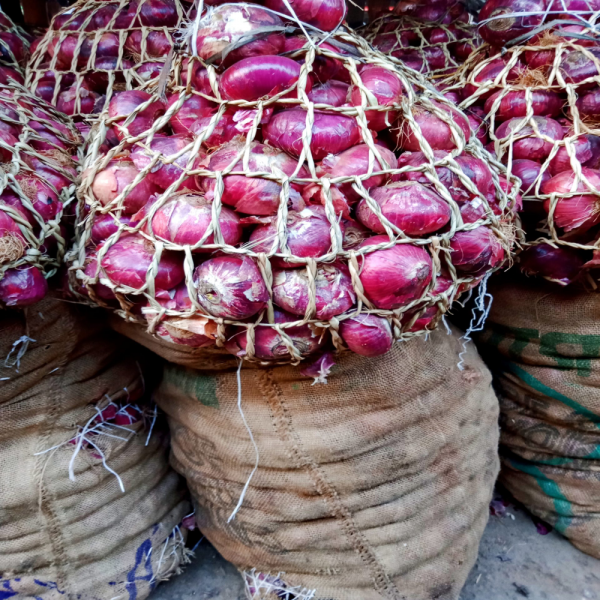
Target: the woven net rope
(433, 38)
(37, 185)
(278, 221)
(14, 49)
(98, 47)
(541, 104)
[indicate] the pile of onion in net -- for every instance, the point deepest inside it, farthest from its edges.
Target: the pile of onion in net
(37, 184)
(98, 47)
(541, 104)
(433, 38)
(14, 50)
(268, 207)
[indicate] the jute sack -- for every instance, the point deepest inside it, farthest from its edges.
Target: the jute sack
(86, 538)
(373, 486)
(544, 345)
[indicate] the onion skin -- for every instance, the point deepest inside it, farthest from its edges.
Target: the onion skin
(544, 103)
(324, 67)
(185, 218)
(124, 103)
(354, 234)
(577, 67)
(110, 182)
(128, 260)
(528, 171)
(230, 287)
(333, 285)
(158, 44)
(260, 76)
(562, 162)
(193, 108)
(250, 195)
(268, 343)
(49, 174)
(489, 73)
(308, 236)
(331, 134)
(44, 200)
(67, 100)
(224, 131)
(577, 212)
(323, 14)
(500, 31)
(105, 225)
(387, 89)
(7, 74)
(589, 104)
(560, 265)
(367, 335)
(22, 287)
(149, 70)
(97, 80)
(395, 277)
(410, 206)
(530, 146)
(332, 93)
(476, 251)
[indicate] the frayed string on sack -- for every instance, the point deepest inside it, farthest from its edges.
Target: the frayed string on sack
(154, 415)
(261, 585)
(178, 544)
(239, 504)
(21, 344)
(479, 315)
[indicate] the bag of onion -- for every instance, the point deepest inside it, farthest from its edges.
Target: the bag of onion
(14, 50)
(98, 47)
(37, 178)
(433, 38)
(540, 98)
(262, 208)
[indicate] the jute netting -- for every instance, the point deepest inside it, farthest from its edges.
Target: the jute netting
(37, 183)
(97, 47)
(274, 217)
(433, 38)
(541, 102)
(14, 49)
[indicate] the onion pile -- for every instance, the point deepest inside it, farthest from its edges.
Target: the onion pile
(257, 209)
(539, 105)
(14, 50)
(433, 38)
(37, 152)
(99, 47)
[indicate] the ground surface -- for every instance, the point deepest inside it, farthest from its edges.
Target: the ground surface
(515, 562)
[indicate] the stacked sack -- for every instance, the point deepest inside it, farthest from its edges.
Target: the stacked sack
(14, 50)
(96, 48)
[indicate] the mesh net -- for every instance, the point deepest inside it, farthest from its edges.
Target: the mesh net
(250, 240)
(14, 49)
(96, 48)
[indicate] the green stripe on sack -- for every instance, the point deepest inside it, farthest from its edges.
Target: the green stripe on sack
(194, 383)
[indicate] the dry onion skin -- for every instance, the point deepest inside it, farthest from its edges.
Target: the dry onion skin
(38, 173)
(251, 239)
(538, 96)
(98, 47)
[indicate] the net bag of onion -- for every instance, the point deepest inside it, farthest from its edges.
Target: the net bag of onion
(37, 187)
(97, 47)
(540, 100)
(433, 38)
(14, 50)
(262, 207)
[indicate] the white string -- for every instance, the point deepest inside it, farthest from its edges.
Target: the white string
(24, 340)
(239, 504)
(152, 425)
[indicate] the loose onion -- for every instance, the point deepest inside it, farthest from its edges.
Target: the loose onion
(23, 286)
(367, 335)
(560, 265)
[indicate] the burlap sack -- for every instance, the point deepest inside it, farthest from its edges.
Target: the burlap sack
(544, 345)
(373, 486)
(83, 539)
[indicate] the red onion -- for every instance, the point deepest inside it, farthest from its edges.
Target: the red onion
(148, 70)
(111, 182)
(250, 195)
(268, 343)
(224, 131)
(476, 251)
(527, 144)
(184, 219)
(72, 20)
(528, 171)
(308, 235)
(354, 234)
(561, 265)
(158, 13)
(562, 162)
(333, 290)
(394, 277)
(98, 78)
(229, 24)
(44, 88)
(577, 66)
(230, 287)
(505, 27)
(326, 15)
(427, 318)
(192, 109)
(576, 212)
(163, 174)
(10, 140)
(7, 74)
(12, 242)
(478, 127)
(433, 129)
(105, 225)
(67, 100)
(51, 175)
(355, 162)
(367, 335)
(332, 92)
(386, 88)
(122, 105)
(319, 369)
(158, 44)
(259, 76)
(10, 43)
(331, 134)
(544, 103)
(124, 20)
(410, 206)
(127, 263)
(589, 104)
(324, 67)
(44, 200)
(489, 73)
(23, 286)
